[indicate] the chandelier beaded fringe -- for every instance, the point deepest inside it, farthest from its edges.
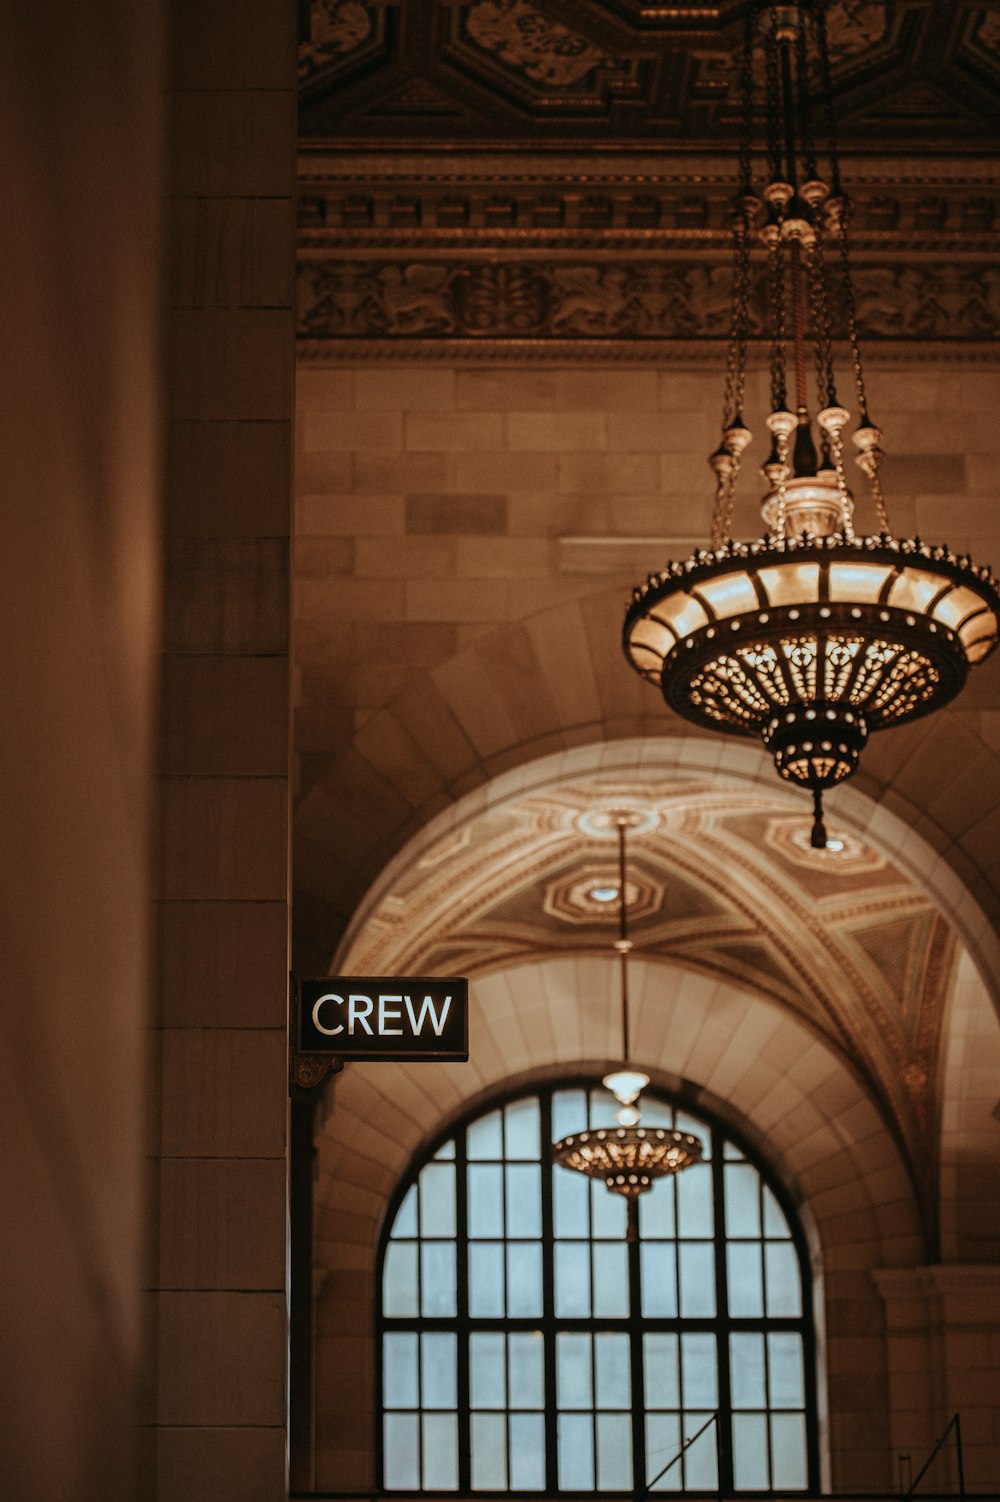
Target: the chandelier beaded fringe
(810, 637)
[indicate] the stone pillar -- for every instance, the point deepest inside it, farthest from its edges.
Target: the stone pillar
(943, 1341)
(220, 1412)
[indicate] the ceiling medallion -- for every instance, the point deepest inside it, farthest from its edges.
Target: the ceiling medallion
(590, 895)
(629, 1158)
(811, 637)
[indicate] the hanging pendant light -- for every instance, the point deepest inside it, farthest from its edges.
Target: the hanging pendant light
(811, 637)
(629, 1158)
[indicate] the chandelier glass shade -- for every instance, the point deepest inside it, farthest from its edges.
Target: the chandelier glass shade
(811, 637)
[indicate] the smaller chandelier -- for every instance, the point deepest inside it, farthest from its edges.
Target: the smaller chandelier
(811, 637)
(629, 1158)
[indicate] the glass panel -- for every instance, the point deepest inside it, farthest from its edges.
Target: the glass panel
(437, 1200)
(611, 1363)
(788, 1451)
(405, 1223)
(663, 1440)
(399, 1279)
(775, 1223)
(701, 1468)
(742, 1200)
(658, 1265)
(489, 1452)
(785, 1371)
(697, 1268)
(611, 1281)
(438, 1371)
(695, 1216)
(656, 1210)
(685, 1123)
(659, 1354)
(749, 1451)
(440, 1457)
(486, 1281)
(603, 1109)
(609, 1213)
(657, 1113)
(784, 1289)
(746, 1292)
(527, 1376)
(487, 1371)
(522, 1129)
(524, 1280)
(527, 1452)
(401, 1444)
(731, 1152)
(575, 1433)
(572, 1279)
(569, 1113)
(614, 1452)
(485, 1199)
(574, 1383)
(437, 1278)
(746, 1371)
(524, 1200)
(484, 1138)
(699, 1368)
(570, 1192)
(399, 1371)
(446, 1152)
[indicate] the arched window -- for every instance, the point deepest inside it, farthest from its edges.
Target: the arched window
(526, 1346)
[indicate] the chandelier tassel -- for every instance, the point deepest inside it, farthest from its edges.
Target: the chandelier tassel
(818, 838)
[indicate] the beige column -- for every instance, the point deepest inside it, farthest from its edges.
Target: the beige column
(221, 1301)
(943, 1341)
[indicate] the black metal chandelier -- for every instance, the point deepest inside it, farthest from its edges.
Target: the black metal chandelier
(811, 637)
(628, 1158)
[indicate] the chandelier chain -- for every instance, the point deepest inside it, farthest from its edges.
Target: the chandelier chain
(804, 103)
(776, 257)
(773, 88)
(826, 93)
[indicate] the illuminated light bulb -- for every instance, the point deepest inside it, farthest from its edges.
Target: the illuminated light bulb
(625, 1085)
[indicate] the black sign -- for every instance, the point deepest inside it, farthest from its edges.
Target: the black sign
(385, 1017)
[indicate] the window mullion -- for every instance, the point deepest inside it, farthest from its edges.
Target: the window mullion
(724, 1421)
(463, 1323)
(548, 1303)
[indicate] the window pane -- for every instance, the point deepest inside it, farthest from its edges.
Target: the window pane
(405, 1223)
(522, 1126)
(731, 1152)
(527, 1376)
(572, 1279)
(746, 1371)
(446, 1152)
(576, 1452)
(440, 1457)
(775, 1223)
(609, 1213)
(484, 1138)
(701, 1467)
(437, 1278)
(657, 1113)
(399, 1279)
(784, 1289)
(785, 1371)
(399, 1371)
(487, 1371)
(656, 1210)
(524, 1200)
(524, 1280)
(570, 1195)
(659, 1354)
(611, 1281)
(746, 1293)
(611, 1362)
(569, 1113)
(527, 1452)
(485, 1200)
(437, 1200)
(658, 1263)
(697, 1268)
(402, 1451)
(663, 1440)
(489, 1452)
(742, 1200)
(603, 1109)
(614, 1452)
(438, 1371)
(749, 1451)
(788, 1450)
(699, 1129)
(486, 1280)
(574, 1386)
(699, 1367)
(695, 1216)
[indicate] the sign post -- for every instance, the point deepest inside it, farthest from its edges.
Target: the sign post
(389, 1018)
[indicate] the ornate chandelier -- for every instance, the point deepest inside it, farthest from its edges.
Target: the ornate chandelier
(629, 1157)
(810, 637)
